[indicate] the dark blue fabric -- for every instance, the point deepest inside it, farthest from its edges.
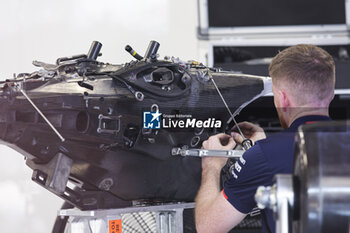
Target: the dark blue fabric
(257, 167)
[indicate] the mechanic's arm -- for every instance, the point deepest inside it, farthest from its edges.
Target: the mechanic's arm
(213, 213)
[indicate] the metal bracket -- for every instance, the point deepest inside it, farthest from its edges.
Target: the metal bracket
(205, 153)
(54, 175)
(108, 124)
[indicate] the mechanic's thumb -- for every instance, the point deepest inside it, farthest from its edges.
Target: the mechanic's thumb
(231, 143)
(222, 136)
(237, 137)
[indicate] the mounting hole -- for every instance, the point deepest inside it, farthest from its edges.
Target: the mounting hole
(139, 96)
(195, 140)
(82, 121)
(106, 184)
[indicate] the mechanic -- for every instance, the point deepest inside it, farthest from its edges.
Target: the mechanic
(303, 79)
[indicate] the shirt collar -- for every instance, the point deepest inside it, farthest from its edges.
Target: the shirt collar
(304, 120)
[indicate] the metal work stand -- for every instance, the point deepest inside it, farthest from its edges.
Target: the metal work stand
(157, 218)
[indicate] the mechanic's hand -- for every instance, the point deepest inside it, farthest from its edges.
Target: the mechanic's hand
(250, 131)
(217, 142)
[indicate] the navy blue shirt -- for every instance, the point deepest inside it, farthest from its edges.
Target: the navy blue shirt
(258, 166)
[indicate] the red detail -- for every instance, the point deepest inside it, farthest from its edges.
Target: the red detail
(310, 122)
(225, 196)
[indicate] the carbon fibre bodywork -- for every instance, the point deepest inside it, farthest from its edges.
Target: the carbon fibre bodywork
(107, 158)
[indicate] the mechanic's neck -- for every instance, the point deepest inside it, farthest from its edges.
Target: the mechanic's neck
(306, 111)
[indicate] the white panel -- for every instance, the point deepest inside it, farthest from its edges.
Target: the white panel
(45, 30)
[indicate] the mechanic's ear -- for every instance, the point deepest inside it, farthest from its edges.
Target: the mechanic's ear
(284, 100)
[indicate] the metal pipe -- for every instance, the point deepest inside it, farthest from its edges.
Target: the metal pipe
(152, 50)
(42, 115)
(94, 51)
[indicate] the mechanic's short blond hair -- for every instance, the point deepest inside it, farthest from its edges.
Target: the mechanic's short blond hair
(308, 69)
